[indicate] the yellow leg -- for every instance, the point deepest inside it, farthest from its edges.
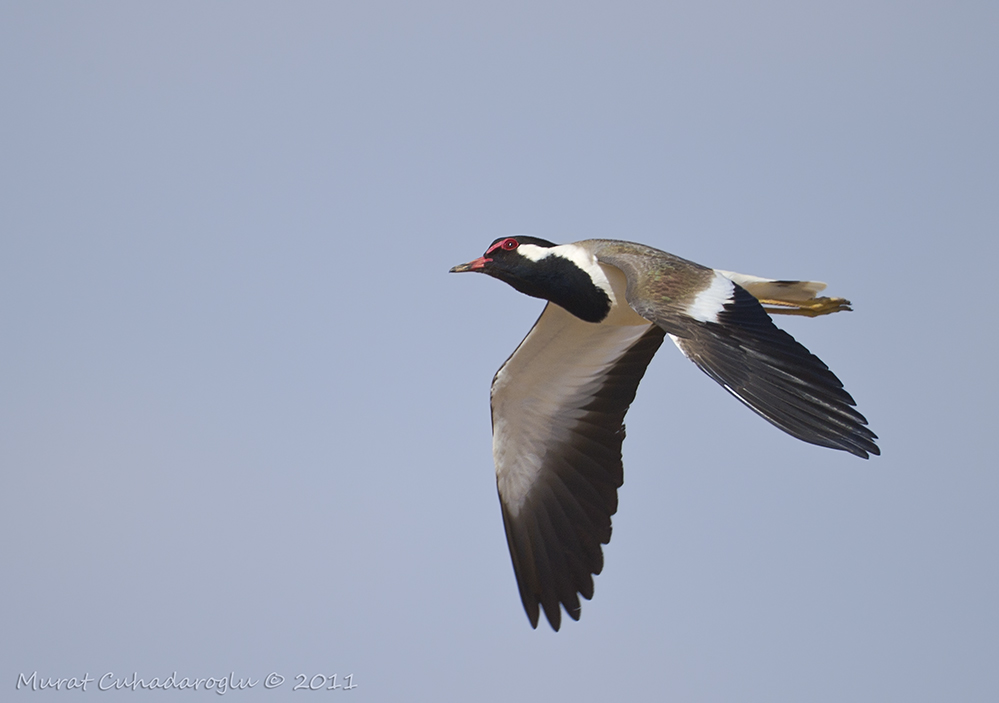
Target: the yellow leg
(810, 308)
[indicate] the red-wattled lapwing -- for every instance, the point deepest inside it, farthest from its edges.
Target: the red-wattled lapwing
(558, 403)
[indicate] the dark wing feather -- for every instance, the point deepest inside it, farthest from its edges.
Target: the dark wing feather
(558, 411)
(765, 368)
(738, 345)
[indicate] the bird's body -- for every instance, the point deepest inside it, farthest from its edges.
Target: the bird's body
(559, 401)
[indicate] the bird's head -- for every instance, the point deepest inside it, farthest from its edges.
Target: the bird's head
(541, 269)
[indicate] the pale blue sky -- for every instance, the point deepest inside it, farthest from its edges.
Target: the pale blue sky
(244, 409)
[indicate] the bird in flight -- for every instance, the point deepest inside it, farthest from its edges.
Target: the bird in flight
(559, 401)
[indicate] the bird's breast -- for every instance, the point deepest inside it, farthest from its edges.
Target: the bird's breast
(615, 283)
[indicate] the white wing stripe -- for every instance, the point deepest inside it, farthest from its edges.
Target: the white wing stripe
(711, 301)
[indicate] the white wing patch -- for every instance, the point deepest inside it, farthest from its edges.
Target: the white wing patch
(711, 301)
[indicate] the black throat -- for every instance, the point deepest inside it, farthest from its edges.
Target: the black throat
(559, 280)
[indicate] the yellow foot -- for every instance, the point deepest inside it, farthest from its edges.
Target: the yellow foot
(813, 307)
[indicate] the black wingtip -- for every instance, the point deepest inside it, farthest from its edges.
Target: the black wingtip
(778, 378)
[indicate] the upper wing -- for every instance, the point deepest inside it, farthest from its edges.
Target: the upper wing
(765, 368)
(558, 406)
(722, 328)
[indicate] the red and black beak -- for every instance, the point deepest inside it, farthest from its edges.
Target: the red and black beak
(476, 265)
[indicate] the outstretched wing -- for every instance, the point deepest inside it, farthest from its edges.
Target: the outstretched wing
(558, 407)
(741, 348)
(722, 328)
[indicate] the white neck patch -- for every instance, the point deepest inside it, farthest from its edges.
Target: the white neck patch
(534, 252)
(572, 252)
(611, 280)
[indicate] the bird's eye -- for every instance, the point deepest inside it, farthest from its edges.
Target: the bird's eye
(508, 244)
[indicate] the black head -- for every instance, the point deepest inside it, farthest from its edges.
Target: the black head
(541, 269)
